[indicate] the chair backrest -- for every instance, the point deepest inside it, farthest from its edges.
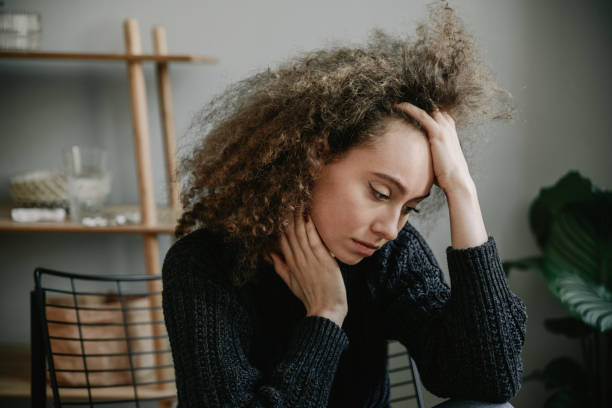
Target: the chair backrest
(403, 377)
(103, 339)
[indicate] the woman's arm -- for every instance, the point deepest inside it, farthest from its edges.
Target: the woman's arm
(466, 224)
(452, 175)
(210, 333)
(466, 342)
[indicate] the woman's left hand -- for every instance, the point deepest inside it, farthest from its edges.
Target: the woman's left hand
(452, 176)
(450, 168)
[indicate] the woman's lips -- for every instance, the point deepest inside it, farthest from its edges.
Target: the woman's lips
(363, 248)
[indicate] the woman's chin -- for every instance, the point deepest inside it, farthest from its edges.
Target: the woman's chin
(349, 258)
(354, 259)
(354, 262)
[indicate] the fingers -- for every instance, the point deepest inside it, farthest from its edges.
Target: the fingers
(309, 237)
(294, 241)
(297, 238)
(302, 241)
(316, 243)
(429, 121)
(419, 115)
(291, 242)
(300, 230)
(281, 268)
(285, 248)
(449, 118)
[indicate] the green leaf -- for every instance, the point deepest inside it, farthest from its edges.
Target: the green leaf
(584, 299)
(578, 242)
(572, 245)
(572, 222)
(571, 188)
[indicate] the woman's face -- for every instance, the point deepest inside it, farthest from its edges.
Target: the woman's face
(348, 200)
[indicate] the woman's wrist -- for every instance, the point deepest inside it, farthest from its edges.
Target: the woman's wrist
(467, 225)
(461, 189)
(335, 316)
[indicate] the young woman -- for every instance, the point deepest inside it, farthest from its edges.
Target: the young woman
(296, 261)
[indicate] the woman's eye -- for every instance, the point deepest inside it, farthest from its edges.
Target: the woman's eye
(378, 194)
(381, 196)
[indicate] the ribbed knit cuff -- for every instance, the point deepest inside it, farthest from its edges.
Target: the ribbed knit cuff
(312, 360)
(478, 268)
(318, 342)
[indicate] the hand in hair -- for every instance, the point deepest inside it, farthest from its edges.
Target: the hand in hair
(452, 176)
(310, 271)
(450, 167)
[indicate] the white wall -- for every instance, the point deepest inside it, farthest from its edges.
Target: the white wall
(552, 55)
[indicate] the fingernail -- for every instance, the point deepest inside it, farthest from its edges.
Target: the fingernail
(305, 217)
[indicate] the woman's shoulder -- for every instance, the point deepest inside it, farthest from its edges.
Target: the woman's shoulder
(199, 243)
(200, 254)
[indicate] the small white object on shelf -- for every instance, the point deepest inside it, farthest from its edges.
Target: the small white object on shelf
(127, 217)
(109, 218)
(38, 214)
(96, 221)
(20, 31)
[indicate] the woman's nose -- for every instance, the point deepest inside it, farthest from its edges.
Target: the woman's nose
(387, 225)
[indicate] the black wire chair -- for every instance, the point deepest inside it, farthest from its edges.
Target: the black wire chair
(103, 339)
(403, 377)
(105, 347)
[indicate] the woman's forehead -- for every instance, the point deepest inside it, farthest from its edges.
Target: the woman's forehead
(401, 157)
(399, 143)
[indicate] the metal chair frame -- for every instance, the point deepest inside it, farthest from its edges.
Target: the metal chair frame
(415, 381)
(42, 353)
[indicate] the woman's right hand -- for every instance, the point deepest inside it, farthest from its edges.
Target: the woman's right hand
(310, 271)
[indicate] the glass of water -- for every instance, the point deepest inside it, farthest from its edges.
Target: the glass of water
(88, 179)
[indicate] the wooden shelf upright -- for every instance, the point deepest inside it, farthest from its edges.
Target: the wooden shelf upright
(154, 221)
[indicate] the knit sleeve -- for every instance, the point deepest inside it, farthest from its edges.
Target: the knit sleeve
(466, 341)
(209, 331)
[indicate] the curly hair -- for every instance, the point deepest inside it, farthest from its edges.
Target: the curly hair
(262, 143)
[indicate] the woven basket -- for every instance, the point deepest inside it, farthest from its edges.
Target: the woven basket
(40, 188)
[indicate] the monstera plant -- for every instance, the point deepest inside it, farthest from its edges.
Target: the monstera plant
(572, 224)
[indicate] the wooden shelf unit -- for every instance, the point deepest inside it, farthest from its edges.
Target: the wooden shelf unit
(154, 220)
(106, 57)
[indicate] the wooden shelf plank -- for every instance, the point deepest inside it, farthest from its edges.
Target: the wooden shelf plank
(107, 57)
(15, 380)
(166, 222)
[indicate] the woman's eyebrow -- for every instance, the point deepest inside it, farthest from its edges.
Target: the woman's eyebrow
(397, 183)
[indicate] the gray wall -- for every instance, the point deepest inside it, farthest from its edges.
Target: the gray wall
(552, 55)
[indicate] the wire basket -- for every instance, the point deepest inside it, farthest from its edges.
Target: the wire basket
(40, 188)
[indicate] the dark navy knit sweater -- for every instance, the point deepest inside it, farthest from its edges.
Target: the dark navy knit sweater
(253, 346)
